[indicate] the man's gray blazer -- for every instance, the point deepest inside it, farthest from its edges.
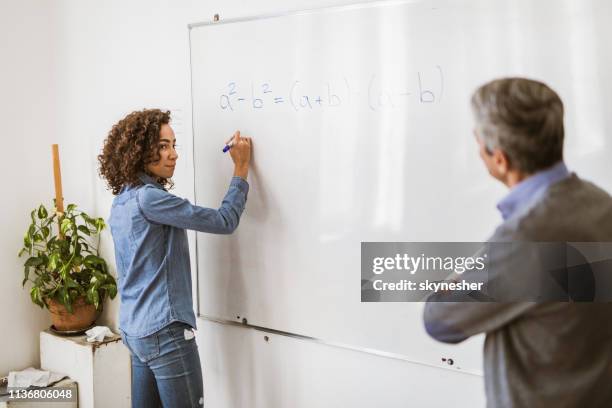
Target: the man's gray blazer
(541, 354)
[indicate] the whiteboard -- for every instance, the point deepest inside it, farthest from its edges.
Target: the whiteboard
(363, 132)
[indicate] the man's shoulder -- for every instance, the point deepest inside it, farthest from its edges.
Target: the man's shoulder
(572, 209)
(577, 188)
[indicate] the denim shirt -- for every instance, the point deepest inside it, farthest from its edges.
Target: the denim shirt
(152, 255)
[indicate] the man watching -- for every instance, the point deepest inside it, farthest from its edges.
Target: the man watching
(536, 354)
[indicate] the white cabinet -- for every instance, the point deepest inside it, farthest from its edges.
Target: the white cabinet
(102, 370)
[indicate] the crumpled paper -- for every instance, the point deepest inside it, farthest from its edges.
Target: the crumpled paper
(33, 377)
(98, 333)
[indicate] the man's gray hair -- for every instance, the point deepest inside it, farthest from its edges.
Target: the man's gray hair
(524, 119)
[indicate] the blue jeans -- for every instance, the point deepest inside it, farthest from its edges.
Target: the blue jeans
(166, 369)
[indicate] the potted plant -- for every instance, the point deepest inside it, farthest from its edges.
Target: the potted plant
(68, 275)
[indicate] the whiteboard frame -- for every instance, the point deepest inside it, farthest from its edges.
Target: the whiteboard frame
(354, 6)
(344, 346)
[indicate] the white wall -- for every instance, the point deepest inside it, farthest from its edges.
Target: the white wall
(29, 124)
(94, 62)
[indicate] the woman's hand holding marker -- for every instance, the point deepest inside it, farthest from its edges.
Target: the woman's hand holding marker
(240, 150)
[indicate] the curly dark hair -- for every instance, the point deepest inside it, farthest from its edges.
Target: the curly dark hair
(131, 144)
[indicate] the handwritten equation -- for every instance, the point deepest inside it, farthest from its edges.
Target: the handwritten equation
(426, 88)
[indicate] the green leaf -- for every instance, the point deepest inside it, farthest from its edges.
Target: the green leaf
(84, 230)
(100, 225)
(70, 283)
(110, 289)
(51, 242)
(35, 295)
(38, 238)
(93, 296)
(49, 220)
(63, 272)
(63, 244)
(21, 252)
(65, 225)
(53, 260)
(45, 232)
(73, 294)
(26, 274)
(27, 242)
(42, 212)
(70, 208)
(77, 260)
(87, 218)
(89, 296)
(33, 261)
(92, 261)
(99, 276)
(52, 293)
(33, 216)
(64, 297)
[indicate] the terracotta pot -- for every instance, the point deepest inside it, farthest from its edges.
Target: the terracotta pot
(83, 314)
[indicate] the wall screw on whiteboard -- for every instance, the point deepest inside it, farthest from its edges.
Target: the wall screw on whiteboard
(216, 17)
(266, 338)
(244, 320)
(448, 361)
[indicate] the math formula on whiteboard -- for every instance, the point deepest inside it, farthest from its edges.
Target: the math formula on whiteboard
(376, 94)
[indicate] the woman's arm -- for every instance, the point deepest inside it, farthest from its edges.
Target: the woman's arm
(161, 207)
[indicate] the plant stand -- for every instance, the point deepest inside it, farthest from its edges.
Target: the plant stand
(102, 370)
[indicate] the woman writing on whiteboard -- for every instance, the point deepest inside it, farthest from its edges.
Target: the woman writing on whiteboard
(148, 226)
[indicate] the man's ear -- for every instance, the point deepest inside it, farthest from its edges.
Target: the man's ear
(501, 161)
